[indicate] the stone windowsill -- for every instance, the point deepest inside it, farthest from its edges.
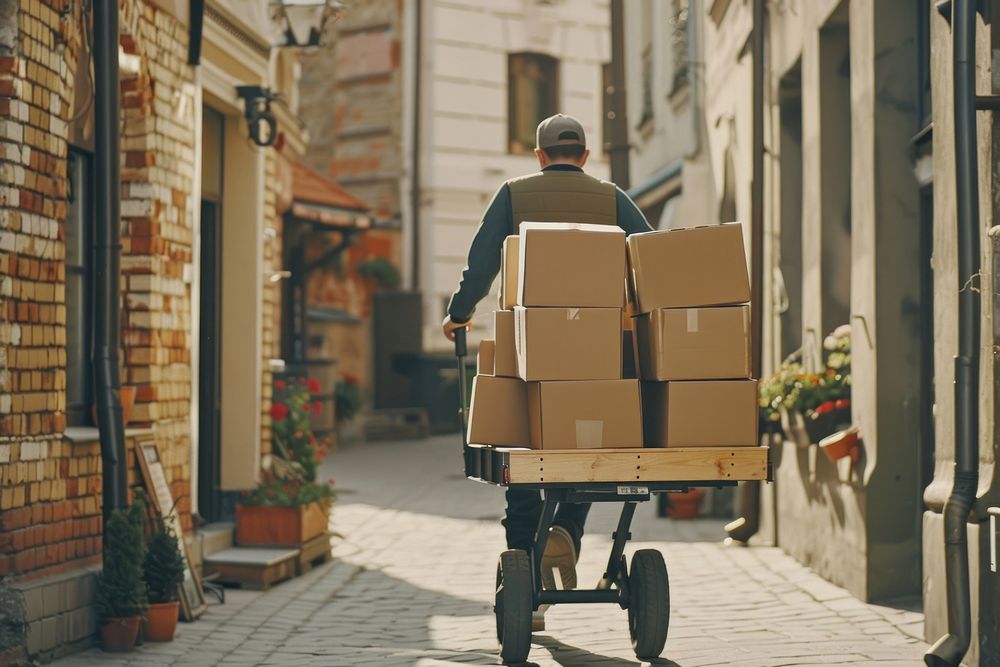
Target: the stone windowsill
(85, 434)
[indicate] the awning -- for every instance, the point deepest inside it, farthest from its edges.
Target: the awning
(322, 202)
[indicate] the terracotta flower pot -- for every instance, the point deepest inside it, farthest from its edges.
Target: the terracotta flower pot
(161, 621)
(128, 400)
(118, 635)
(841, 444)
(685, 505)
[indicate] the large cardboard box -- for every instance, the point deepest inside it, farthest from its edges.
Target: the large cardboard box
(499, 412)
(568, 343)
(508, 271)
(706, 413)
(694, 343)
(485, 358)
(685, 268)
(505, 355)
(601, 414)
(563, 264)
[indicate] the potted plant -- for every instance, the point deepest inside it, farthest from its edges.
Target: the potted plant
(164, 574)
(684, 504)
(12, 625)
(289, 507)
(121, 590)
(811, 406)
(347, 397)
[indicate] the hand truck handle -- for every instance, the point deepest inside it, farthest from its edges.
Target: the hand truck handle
(461, 348)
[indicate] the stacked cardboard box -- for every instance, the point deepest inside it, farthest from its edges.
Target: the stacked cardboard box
(557, 374)
(689, 289)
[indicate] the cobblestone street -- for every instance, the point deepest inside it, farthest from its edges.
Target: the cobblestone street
(411, 584)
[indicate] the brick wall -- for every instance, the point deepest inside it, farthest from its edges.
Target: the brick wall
(50, 505)
(157, 181)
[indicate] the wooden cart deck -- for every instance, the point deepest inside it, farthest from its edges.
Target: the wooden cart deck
(690, 466)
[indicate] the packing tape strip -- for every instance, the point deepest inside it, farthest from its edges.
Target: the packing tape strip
(589, 433)
(692, 320)
(573, 314)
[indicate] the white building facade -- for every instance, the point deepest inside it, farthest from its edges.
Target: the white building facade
(488, 71)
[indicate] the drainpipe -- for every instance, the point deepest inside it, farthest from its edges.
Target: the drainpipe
(694, 76)
(745, 527)
(108, 256)
(951, 648)
(619, 148)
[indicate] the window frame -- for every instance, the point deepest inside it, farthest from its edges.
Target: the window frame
(79, 165)
(518, 61)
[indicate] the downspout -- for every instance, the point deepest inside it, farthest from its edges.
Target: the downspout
(745, 527)
(107, 238)
(951, 648)
(619, 148)
(415, 144)
(694, 77)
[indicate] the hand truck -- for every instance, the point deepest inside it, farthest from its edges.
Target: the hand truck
(641, 587)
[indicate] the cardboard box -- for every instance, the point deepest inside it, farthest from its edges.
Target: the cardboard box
(685, 268)
(602, 414)
(505, 356)
(629, 365)
(568, 343)
(508, 271)
(499, 412)
(694, 344)
(485, 358)
(569, 265)
(704, 413)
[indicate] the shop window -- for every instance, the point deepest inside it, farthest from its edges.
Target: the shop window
(533, 96)
(79, 311)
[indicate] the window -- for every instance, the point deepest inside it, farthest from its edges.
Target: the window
(533, 96)
(79, 317)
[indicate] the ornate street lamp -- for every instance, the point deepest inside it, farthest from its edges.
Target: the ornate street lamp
(305, 19)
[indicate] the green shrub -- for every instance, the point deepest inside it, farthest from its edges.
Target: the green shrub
(121, 590)
(163, 567)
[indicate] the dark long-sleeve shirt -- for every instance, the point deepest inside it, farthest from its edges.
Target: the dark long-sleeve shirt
(485, 253)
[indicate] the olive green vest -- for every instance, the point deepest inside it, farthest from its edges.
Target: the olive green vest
(562, 196)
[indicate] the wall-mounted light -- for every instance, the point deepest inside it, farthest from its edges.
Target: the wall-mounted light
(305, 19)
(278, 276)
(257, 110)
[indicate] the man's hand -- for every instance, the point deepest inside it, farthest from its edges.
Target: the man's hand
(450, 327)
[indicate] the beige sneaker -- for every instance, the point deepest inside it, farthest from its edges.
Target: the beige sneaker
(560, 554)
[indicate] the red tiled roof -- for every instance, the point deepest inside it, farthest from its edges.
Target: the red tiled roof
(309, 186)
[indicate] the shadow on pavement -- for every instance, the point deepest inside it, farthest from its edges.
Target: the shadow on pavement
(574, 656)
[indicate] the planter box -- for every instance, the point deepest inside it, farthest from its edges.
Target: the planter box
(264, 525)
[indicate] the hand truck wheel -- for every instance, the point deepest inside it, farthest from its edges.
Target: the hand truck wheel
(513, 605)
(649, 603)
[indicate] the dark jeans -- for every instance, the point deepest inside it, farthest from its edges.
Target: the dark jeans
(524, 508)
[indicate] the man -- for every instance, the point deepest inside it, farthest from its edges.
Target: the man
(560, 192)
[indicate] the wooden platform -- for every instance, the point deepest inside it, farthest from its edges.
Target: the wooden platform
(509, 466)
(313, 553)
(256, 568)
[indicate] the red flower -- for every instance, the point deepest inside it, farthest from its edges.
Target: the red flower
(279, 384)
(279, 411)
(317, 407)
(313, 385)
(305, 407)
(350, 378)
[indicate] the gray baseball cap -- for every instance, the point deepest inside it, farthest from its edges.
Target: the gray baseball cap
(560, 130)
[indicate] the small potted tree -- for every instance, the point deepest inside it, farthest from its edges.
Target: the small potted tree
(164, 574)
(121, 591)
